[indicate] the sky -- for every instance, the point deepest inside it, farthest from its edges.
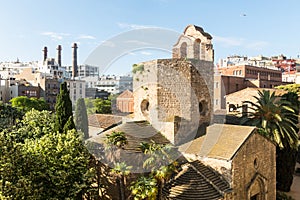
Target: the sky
(238, 27)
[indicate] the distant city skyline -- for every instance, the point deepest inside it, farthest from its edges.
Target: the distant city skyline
(238, 27)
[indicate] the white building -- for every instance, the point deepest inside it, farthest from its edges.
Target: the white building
(77, 90)
(115, 84)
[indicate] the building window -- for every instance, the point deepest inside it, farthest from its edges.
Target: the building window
(217, 102)
(80, 91)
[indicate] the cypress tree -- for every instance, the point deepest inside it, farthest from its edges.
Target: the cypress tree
(81, 118)
(69, 125)
(63, 108)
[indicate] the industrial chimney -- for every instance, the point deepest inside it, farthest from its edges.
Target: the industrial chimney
(74, 66)
(59, 55)
(45, 53)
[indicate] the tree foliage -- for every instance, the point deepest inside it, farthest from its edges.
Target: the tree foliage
(103, 106)
(120, 171)
(25, 104)
(294, 88)
(100, 106)
(8, 116)
(81, 118)
(34, 124)
(38, 163)
(63, 108)
(117, 139)
(144, 188)
(277, 119)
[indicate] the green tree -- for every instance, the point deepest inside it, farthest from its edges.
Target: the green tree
(121, 170)
(70, 125)
(144, 188)
(44, 163)
(81, 118)
(8, 116)
(90, 107)
(160, 162)
(33, 125)
(117, 139)
(103, 106)
(277, 118)
(25, 104)
(294, 88)
(63, 108)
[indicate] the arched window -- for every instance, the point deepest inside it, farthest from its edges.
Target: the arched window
(183, 50)
(145, 107)
(197, 48)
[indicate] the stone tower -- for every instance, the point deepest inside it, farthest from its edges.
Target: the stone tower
(176, 95)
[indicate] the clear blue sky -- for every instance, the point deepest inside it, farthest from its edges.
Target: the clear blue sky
(251, 27)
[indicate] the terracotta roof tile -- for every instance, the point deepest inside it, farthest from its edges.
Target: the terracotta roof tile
(103, 120)
(221, 141)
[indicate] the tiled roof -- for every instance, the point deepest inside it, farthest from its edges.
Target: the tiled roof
(136, 132)
(126, 94)
(103, 120)
(196, 181)
(250, 92)
(221, 141)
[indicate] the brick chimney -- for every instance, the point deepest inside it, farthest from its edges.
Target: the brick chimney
(74, 65)
(45, 53)
(59, 55)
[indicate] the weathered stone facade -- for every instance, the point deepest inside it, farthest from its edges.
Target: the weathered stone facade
(194, 43)
(174, 90)
(253, 170)
(176, 95)
(242, 157)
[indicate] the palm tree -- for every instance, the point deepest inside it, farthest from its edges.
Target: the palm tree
(117, 139)
(277, 118)
(121, 170)
(144, 188)
(160, 162)
(114, 143)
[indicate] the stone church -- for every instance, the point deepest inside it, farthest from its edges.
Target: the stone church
(175, 97)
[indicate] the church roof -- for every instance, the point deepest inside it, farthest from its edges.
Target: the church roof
(126, 94)
(135, 132)
(222, 141)
(196, 181)
(103, 121)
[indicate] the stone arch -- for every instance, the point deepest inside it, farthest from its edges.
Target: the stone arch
(257, 188)
(145, 107)
(197, 47)
(183, 50)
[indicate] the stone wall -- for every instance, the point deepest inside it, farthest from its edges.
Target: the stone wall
(254, 170)
(177, 91)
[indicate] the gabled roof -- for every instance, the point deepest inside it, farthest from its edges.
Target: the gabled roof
(126, 94)
(222, 141)
(196, 181)
(135, 132)
(103, 120)
(254, 91)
